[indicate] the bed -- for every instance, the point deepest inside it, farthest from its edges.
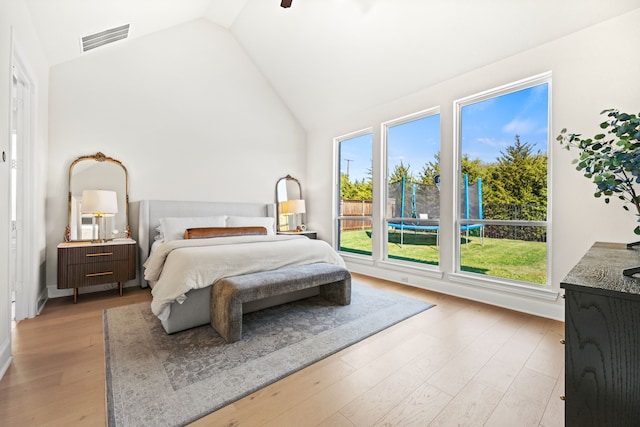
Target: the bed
(192, 308)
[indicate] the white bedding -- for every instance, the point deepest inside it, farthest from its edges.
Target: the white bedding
(178, 266)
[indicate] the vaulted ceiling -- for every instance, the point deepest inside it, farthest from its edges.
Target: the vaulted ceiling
(328, 58)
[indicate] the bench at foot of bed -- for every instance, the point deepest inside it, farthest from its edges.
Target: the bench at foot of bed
(227, 295)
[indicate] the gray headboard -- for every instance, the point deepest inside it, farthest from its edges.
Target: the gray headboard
(144, 218)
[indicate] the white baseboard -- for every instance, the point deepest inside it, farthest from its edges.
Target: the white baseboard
(5, 357)
(41, 301)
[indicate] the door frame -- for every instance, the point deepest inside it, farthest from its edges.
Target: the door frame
(26, 288)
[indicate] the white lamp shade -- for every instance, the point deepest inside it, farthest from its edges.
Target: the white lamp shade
(99, 202)
(296, 206)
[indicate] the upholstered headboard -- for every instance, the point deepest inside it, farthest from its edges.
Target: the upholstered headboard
(144, 217)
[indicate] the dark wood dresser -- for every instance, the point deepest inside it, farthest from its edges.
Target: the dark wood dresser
(87, 264)
(602, 337)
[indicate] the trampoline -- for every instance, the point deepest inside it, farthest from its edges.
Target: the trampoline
(428, 201)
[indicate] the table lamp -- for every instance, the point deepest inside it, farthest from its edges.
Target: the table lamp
(100, 204)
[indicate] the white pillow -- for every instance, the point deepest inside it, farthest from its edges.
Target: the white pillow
(159, 237)
(253, 221)
(173, 228)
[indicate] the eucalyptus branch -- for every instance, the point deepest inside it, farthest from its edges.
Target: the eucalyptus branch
(608, 159)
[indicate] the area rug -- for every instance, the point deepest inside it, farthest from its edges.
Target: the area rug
(155, 379)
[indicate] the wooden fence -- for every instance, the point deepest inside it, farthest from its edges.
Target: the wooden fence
(355, 208)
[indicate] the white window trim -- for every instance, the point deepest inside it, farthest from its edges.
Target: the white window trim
(335, 230)
(492, 282)
(384, 132)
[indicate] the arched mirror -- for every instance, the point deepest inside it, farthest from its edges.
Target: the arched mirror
(100, 179)
(290, 204)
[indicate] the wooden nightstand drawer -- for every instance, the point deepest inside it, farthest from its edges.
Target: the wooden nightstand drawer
(98, 273)
(100, 253)
(95, 264)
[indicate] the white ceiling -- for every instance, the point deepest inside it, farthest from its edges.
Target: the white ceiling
(329, 58)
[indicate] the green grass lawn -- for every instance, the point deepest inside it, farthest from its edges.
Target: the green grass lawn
(509, 259)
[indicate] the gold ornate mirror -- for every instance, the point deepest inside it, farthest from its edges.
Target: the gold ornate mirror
(108, 175)
(289, 204)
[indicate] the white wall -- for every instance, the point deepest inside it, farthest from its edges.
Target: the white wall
(15, 18)
(185, 110)
(592, 70)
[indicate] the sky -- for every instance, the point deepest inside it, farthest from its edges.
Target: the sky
(488, 127)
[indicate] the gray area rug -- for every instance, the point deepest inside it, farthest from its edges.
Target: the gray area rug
(155, 379)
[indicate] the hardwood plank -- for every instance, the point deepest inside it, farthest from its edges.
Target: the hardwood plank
(420, 407)
(554, 413)
(500, 371)
(336, 420)
(525, 401)
(489, 337)
(471, 407)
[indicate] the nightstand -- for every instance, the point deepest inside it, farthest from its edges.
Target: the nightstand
(307, 233)
(87, 264)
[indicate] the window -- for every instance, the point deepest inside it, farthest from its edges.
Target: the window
(502, 204)
(412, 208)
(355, 202)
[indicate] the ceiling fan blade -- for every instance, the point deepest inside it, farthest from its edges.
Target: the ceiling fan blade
(286, 3)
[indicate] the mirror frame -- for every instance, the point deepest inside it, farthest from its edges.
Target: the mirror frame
(98, 157)
(279, 200)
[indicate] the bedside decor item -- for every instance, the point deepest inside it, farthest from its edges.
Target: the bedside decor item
(91, 172)
(158, 379)
(294, 208)
(100, 204)
(289, 204)
(611, 160)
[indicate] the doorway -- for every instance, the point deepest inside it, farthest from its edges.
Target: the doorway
(21, 122)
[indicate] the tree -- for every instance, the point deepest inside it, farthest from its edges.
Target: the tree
(520, 176)
(399, 172)
(347, 189)
(472, 168)
(357, 190)
(430, 170)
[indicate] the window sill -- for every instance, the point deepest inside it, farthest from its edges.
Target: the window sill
(533, 291)
(412, 268)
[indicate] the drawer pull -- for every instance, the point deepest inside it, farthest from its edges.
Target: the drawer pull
(106, 273)
(101, 254)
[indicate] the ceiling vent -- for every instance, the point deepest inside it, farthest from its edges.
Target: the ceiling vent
(105, 37)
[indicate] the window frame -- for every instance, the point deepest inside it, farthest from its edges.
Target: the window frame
(495, 282)
(337, 199)
(384, 132)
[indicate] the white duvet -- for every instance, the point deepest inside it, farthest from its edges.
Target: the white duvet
(177, 266)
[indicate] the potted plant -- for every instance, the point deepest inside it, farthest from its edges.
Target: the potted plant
(611, 159)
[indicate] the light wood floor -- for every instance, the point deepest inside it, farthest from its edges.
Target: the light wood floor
(459, 363)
